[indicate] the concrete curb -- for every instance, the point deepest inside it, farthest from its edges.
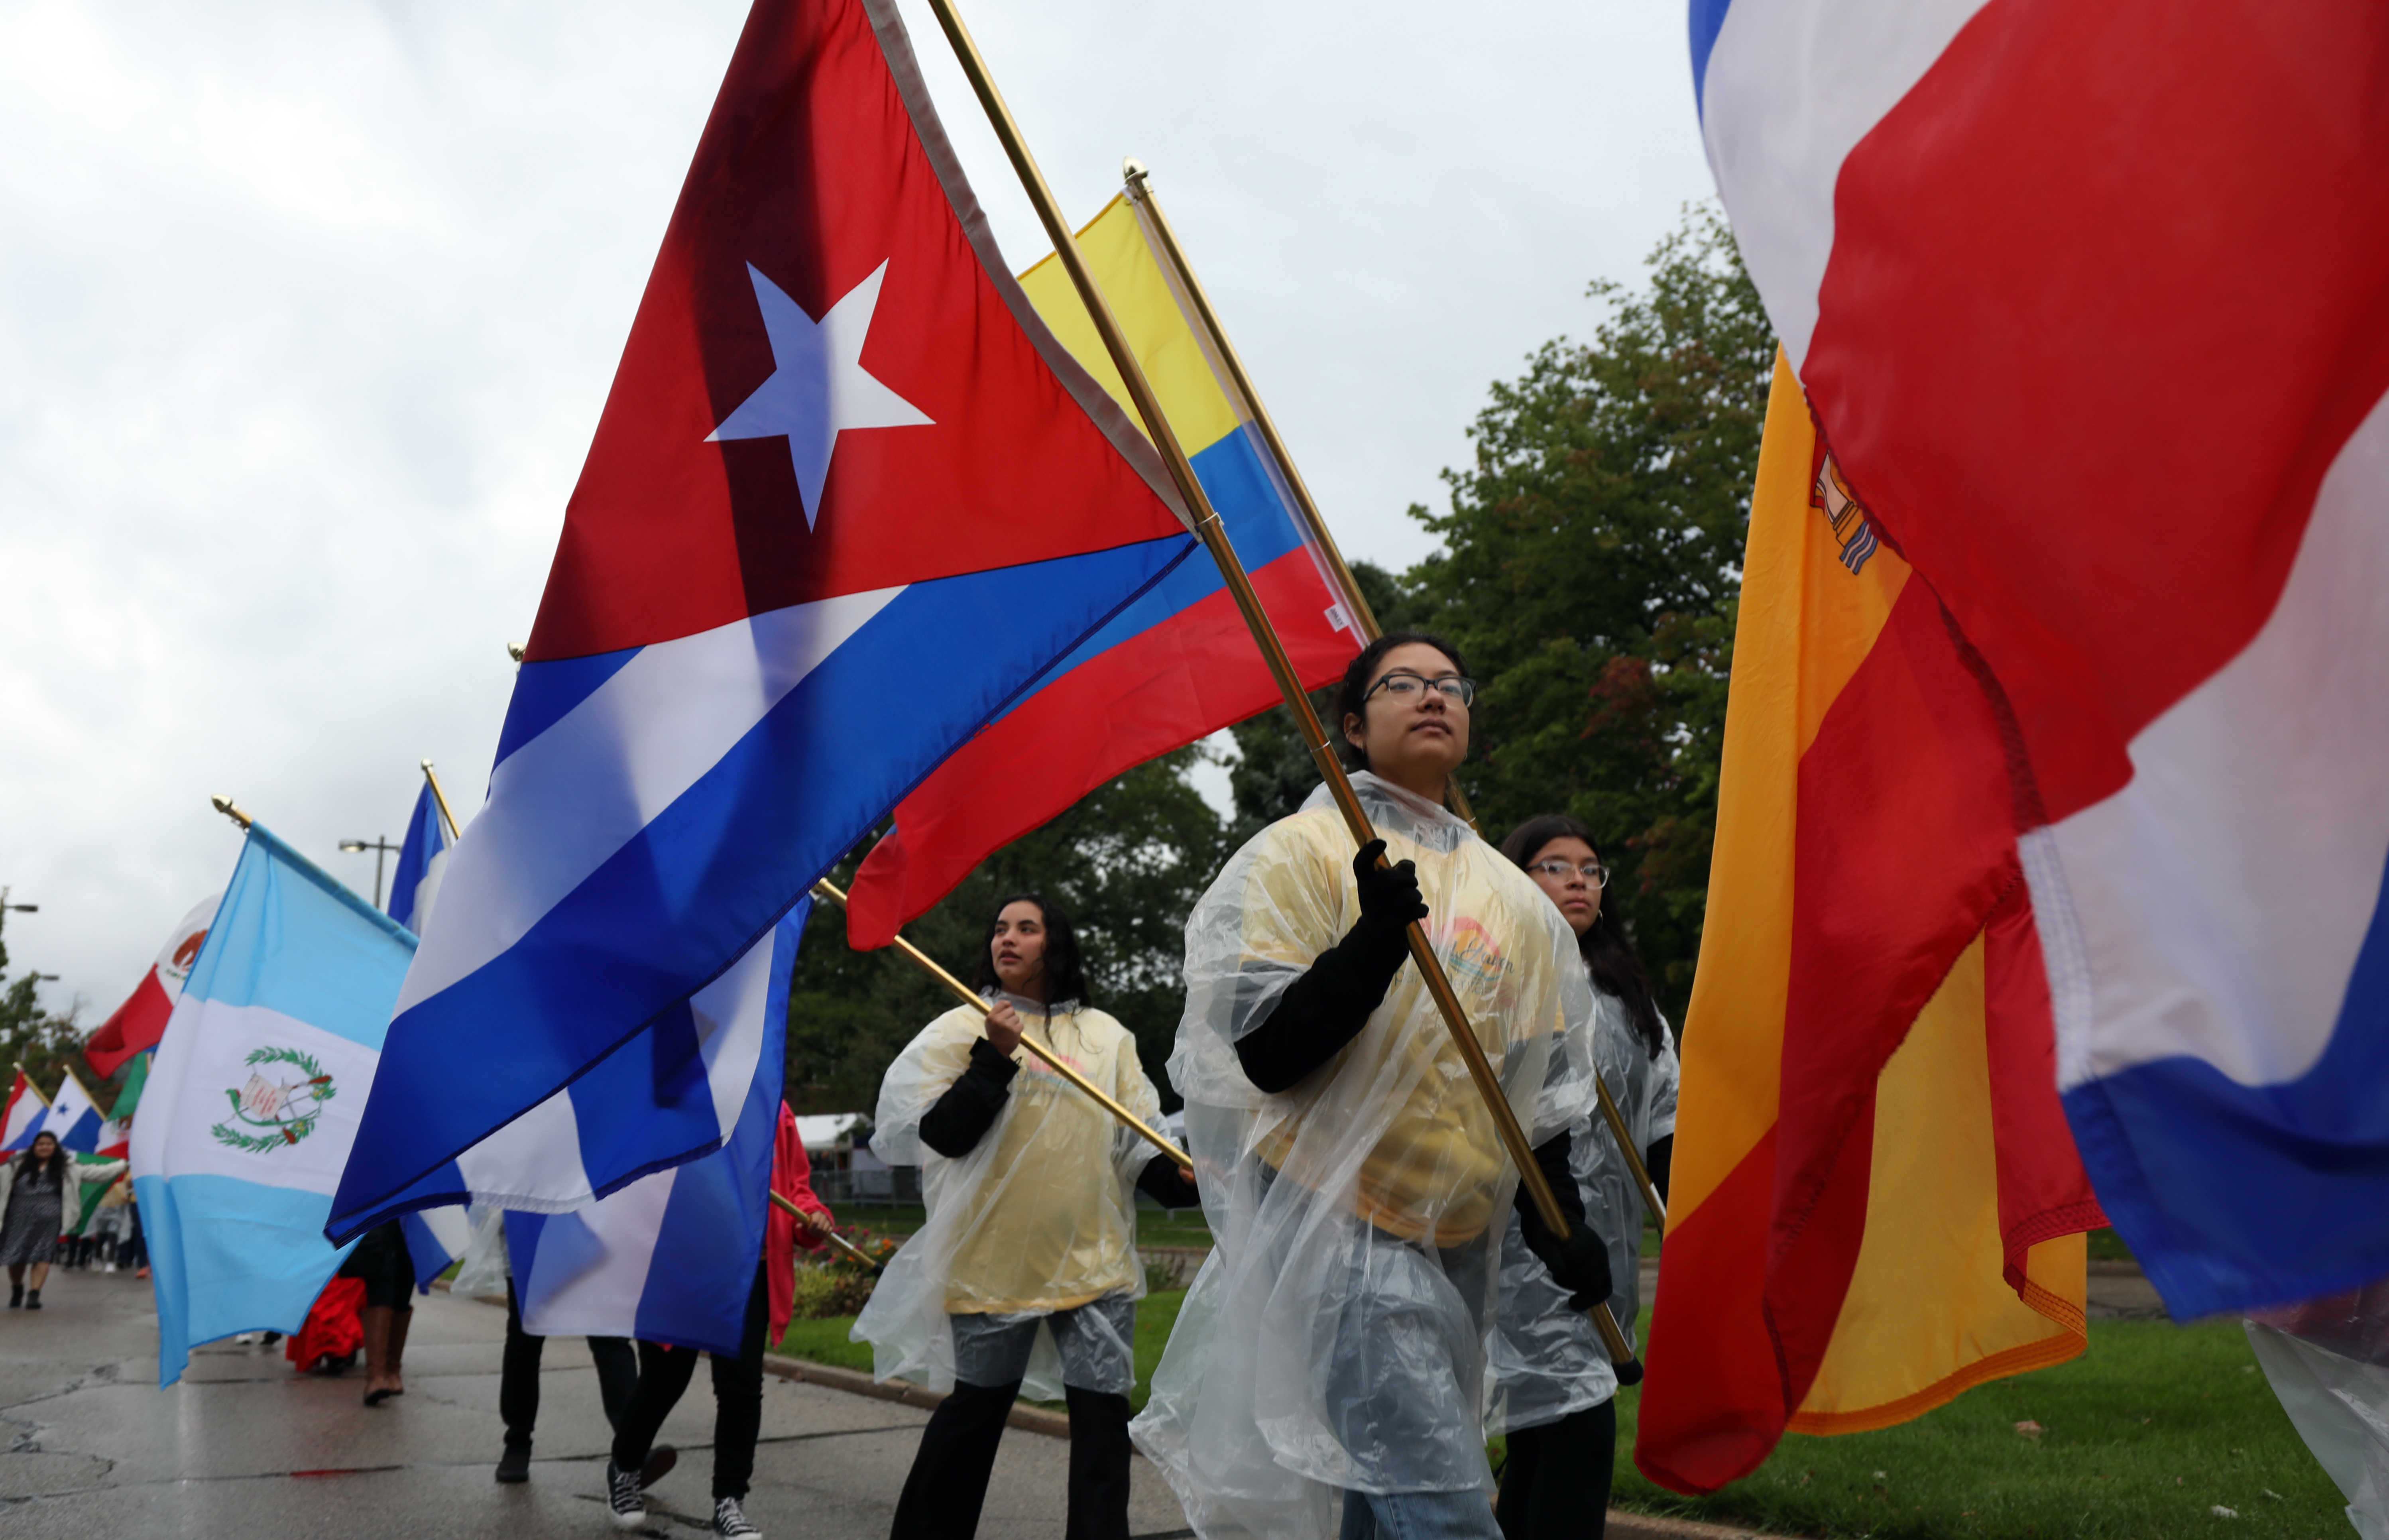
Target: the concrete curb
(1035, 1419)
(1027, 1419)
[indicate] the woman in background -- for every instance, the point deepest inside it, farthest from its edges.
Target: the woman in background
(1554, 1391)
(1030, 1252)
(34, 1188)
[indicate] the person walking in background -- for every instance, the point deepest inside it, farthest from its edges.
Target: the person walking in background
(664, 1372)
(383, 1264)
(1031, 1188)
(486, 1266)
(1554, 1391)
(33, 1190)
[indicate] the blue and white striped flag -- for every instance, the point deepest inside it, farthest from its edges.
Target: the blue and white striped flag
(255, 1098)
(422, 862)
(672, 1257)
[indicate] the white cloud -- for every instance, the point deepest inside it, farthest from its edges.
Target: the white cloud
(306, 313)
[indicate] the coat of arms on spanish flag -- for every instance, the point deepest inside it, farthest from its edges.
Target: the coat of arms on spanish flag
(1877, 1201)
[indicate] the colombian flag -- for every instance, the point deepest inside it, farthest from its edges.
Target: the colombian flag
(1172, 667)
(1876, 1202)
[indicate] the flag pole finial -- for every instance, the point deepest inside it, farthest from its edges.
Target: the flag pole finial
(223, 804)
(440, 795)
(1207, 529)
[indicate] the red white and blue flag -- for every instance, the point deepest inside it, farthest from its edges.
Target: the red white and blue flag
(2093, 302)
(848, 499)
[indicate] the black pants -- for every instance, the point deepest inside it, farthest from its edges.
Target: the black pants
(664, 1374)
(948, 1484)
(618, 1375)
(1556, 1484)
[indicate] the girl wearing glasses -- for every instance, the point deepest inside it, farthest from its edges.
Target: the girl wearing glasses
(1332, 1349)
(1554, 1388)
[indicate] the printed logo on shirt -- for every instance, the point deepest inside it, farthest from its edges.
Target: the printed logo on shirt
(1472, 956)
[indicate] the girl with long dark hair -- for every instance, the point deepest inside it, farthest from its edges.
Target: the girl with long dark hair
(1553, 1388)
(1026, 1270)
(1332, 1347)
(33, 1190)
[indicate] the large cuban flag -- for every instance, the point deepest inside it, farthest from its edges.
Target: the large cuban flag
(2093, 304)
(256, 1096)
(672, 1257)
(1172, 667)
(847, 500)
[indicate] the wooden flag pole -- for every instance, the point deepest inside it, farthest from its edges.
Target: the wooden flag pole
(813, 1222)
(1232, 571)
(441, 797)
(969, 996)
(31, 1084)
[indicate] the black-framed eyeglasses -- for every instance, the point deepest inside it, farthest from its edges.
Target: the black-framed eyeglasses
(1593, 872)
(1405, 688)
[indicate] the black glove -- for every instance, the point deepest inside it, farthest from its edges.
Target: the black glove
(963, 1114)
(1328, 1005)
(1160, 1181)
(1579, 1264)
(1390, 895)
(1657, 1159)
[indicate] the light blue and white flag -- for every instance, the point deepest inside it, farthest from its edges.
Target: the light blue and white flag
(422, 862)
(672, 1257)
(255, 1097)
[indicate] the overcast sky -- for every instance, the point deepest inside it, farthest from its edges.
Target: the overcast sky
(307, 311)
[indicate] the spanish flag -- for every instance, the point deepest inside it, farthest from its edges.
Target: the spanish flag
(1876, 1201)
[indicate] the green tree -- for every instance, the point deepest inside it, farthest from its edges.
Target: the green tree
(44, 1043)
(1589, 573)
(1126, 862)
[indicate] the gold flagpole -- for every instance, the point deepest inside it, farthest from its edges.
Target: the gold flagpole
(969, 996)
(31, 1084)
(813, 1222)
(230, 809)
(441, 798)
(1140, 191)
(1214, 537)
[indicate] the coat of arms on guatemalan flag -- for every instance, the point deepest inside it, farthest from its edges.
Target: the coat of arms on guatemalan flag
(2091, 303)
(847, 500)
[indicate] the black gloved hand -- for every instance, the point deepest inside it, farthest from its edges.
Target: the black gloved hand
(1579, 1264)
(1165, 1185)
(1390, 895)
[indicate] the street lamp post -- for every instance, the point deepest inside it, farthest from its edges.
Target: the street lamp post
(380, 847)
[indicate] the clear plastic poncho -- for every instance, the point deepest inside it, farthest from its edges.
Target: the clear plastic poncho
(1334, 1339)
(1039, 1216)
(1547, 1359)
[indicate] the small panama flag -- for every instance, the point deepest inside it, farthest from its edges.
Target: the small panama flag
(253, 1102)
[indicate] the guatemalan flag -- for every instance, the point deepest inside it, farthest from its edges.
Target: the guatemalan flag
(848, 499)
(2093, 304)
(1174, 666)
(255, 1097)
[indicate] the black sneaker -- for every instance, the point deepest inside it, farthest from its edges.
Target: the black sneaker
(514, 1466)
(625, 1505)
(731, 1522)
(661, 1459)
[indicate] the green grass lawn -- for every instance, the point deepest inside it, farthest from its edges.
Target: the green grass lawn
(2144, 1435)
(824, 1341)
(1154, 1226)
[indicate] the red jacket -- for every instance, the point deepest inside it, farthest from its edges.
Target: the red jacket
(792, 1179)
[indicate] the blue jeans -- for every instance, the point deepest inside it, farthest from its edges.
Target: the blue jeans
(1418, 1516)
